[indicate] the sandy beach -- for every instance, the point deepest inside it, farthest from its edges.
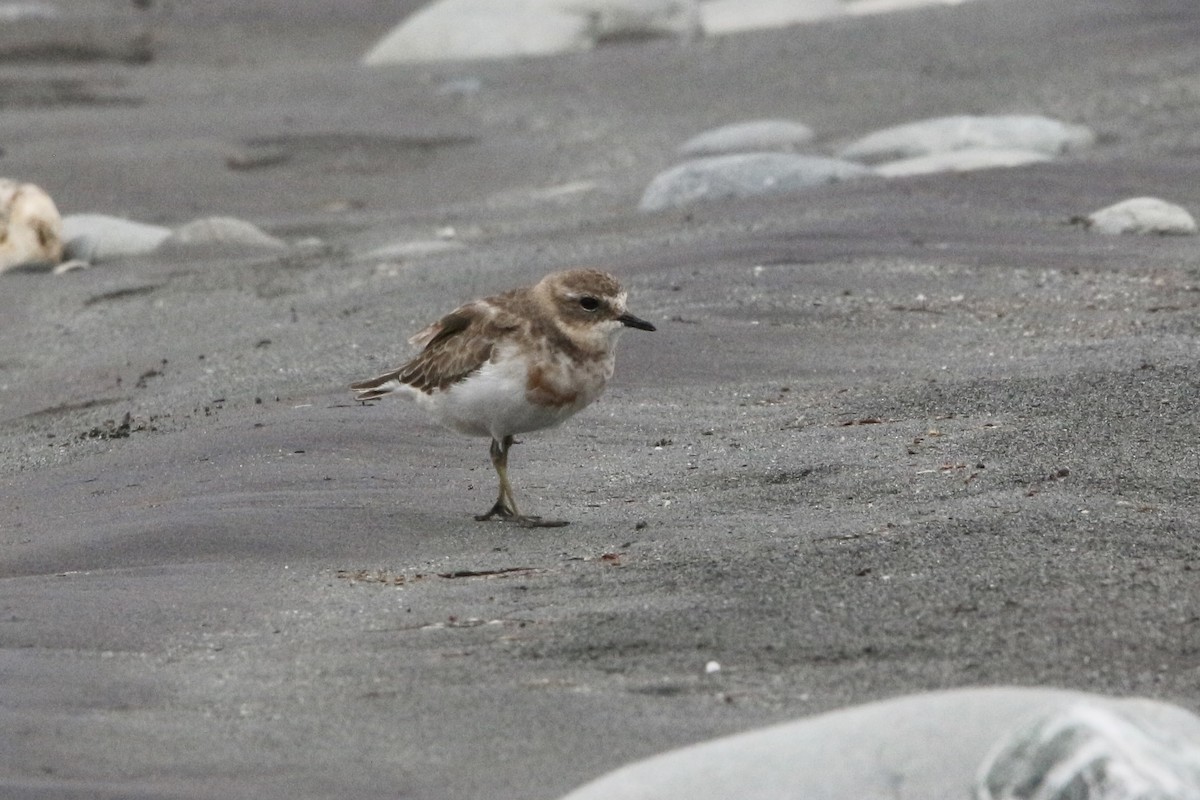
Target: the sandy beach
(891, 436)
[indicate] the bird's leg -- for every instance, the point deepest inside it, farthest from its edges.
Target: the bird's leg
(505, 506)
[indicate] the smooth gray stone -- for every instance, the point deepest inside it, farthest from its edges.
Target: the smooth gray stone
(98, 237)
(968, 159)
(942, 134)
(748, 137)
(743, 175)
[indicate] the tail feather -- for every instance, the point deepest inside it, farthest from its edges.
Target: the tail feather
(376, 388)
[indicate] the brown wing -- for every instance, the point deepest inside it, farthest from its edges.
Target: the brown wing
(456, 346)
(458, 349)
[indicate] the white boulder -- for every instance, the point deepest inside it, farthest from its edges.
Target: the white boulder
(986, 743)
(758, 135)
(1142, 215)
(448, 30)
(98, 237)
(743, 175)
(1095, 751)
(966, 160)
(943, 134)
(30, 226)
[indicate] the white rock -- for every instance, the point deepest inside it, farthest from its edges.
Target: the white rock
(944, 134)
(733, 16)
(758, 135)
(743, 175)
(30, 226)
(98, 237)
(1117, 756)
(223, 232)
(1142, 215)
(934, 745)
(471, 29)
(965, 160)
(463, 30)
(861, 8)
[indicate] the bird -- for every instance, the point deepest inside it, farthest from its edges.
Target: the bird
(516, 362)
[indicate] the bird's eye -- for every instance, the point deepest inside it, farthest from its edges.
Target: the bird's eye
(589, 303)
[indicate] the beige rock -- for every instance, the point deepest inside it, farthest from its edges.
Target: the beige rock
(30, 226)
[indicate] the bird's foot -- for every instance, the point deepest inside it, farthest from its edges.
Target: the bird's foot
(503, 513)
(500, 510)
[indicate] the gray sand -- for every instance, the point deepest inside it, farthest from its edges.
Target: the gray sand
(890, 436)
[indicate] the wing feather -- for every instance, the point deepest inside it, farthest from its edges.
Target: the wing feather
(454, 348)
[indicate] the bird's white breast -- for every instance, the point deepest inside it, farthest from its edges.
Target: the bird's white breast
(496, 400)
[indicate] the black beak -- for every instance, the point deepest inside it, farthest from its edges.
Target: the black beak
(630, 321)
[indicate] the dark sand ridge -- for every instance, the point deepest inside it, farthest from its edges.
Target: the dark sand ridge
(890, 436)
